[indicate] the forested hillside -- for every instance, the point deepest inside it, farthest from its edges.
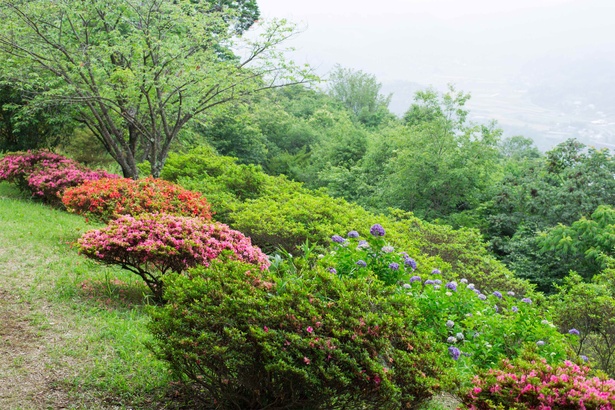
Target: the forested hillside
(300, 245)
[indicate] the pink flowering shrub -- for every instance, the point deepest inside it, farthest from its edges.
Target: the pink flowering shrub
(536, 385)
(152, 245)
(108, 199)
(50, 183)
(45, 174)
(244, 339)
(17, 167)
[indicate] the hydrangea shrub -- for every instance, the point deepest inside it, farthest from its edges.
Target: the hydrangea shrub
(356, 256)
(152, 245)
(252, 340)
(108, 199)
(536, 385)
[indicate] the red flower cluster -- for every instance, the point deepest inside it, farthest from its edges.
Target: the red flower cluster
(108, 199)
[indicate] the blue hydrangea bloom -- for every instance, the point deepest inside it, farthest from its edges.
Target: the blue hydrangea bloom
(540, 343)
(332, 270)
(353, 234)
(584, 358)
(377, 230)
(361, 263)
(454, 352)
(574, 332)
(338, 239)
(452, 286)
(526, 300)
(436, 271)
(514, 309)
(408, 261)
(394, 266)
(497, 294)
(482, 297)
(415, 279)
(430, 282)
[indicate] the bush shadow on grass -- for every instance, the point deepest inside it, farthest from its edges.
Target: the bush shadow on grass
(115, 294)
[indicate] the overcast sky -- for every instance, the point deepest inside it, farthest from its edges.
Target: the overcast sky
(412, 39)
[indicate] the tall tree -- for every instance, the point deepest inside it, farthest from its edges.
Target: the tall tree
(137, 71)
(360, 93)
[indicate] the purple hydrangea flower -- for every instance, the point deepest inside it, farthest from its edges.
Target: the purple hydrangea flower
(408, 261)
(471, 286)
(497, 294)
(450, 323)
(514, 309)
(353, 234)
(362, 244)
(454, 352)
(436, 271)
(429, 282)
(511, 293)
(361, 263)
(407, 286)
(452, 286)
(464, 281)
(332, 270)
(451, 339)
(574, 332)
(437, 282)
(540, 343)
(584, 358)
(482, 297)
(478, 292)
(497, 309)
(377, 230)
(394, 266)
(387, 249)
(415, 279)
(338, 239)
(527, 300)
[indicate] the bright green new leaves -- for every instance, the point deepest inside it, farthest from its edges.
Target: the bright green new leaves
(139, 71)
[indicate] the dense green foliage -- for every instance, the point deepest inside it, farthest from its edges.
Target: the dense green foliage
(310, 341)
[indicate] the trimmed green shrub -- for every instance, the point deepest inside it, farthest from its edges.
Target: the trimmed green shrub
(251, 340)
(278, 213)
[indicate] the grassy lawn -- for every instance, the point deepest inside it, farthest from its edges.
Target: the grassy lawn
(72, 332)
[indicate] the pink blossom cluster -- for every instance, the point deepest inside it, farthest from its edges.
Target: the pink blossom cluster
(45, 174)
(51, 182)
(16, 167)
(541, 387)
(154, 244)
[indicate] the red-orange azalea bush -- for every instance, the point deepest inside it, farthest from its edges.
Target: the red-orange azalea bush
(108, 199)
(152, 245)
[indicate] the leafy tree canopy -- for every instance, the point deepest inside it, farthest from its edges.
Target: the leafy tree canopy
(137, 72)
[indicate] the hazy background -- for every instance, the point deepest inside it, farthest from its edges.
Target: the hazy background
(542, 68)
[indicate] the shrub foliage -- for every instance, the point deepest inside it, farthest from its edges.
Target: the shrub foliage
(250, 340)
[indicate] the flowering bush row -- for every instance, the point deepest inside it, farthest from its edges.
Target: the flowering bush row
(152, 245)
(536, 385)
(45, 174)
(108, 199)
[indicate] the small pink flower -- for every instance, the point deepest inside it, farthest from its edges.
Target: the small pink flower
(266, 329)
(306, 360)
(309, 329)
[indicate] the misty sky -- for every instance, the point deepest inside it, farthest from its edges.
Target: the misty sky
(410, 39)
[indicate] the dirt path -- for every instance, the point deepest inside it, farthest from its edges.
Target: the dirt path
(28, 376)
